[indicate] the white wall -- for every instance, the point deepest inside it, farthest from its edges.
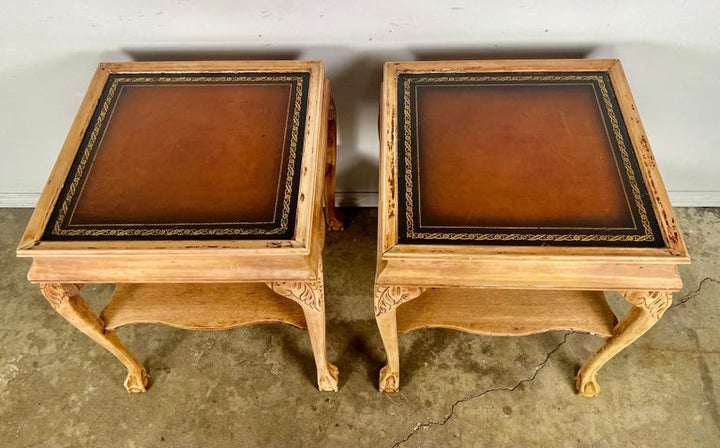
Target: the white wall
(670, 51)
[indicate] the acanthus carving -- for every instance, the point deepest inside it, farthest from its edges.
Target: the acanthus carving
(388, 297)
(655, 302)
(309, 293)
(59, 293)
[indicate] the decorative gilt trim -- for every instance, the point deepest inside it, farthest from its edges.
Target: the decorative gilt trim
(655, 302)
(62, 223)
(389, 297)
(59, 293)
(645, 229)
(306, 293)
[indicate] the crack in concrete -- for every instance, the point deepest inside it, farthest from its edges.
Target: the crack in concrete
(692, 294)
(450, 415)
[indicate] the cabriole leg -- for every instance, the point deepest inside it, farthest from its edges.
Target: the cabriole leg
(387, 299)
(390, 374)
(310, 295)
(327, 374)
(648, 308)
(66, 299)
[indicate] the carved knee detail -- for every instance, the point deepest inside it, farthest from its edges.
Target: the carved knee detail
(388, 297)
(654, 302)
(309, 293)
(59, 293)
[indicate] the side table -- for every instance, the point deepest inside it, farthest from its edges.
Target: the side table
(512, 195)
(197, 188)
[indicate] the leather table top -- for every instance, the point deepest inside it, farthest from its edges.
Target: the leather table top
(519, 159)
(187, 156)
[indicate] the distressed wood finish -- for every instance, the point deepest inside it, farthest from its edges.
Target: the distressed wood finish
(66, 300)
(333, 216)
(531, 274)
(199, 306)
(508, 312)
(542, 284)
(310, 295)
(195, 283)
(387, 299)
(648, 308)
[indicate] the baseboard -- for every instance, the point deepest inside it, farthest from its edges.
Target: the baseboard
(694, 198)
(356, 199)
(18, 200)
(370, 199)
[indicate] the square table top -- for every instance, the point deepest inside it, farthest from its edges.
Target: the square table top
(519, 153)
(188, 151)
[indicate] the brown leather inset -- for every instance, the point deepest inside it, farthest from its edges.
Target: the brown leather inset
(517, 156)
(189, 154)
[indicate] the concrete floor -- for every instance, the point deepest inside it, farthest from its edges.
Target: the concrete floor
(254, 386)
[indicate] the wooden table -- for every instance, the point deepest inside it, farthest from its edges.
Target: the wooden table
(196, 187)
(512, 195)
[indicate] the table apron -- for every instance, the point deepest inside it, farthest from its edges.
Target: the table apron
(176, 269)
(531, 275)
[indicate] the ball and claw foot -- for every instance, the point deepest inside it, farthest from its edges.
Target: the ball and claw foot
(136, 382)
(336, 219)
(389, 381)
(328, 381)
(336, 225)
(587, 386)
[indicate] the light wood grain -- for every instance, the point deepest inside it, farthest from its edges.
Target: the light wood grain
(310, 295)
(498, 65)
(333, 216)
(388, 184)
(524, 274)
(656, 188)
(262, 66)
(314, 149)
(390, 373)
(208, 306)
(161, 268)
(68, 302)
(138, 247)
(648, 308)
(636, 255)
(507, 312)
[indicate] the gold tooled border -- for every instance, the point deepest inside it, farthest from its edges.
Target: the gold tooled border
(64, 208)
(542, 237)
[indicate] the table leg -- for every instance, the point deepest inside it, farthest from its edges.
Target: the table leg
(387, 299)
(311, 297)
(389, 380)
(648, 308)
(327, 374)
(66, 300)
(333, 216)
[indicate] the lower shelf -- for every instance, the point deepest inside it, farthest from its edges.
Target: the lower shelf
(507, 312)
(211, 306)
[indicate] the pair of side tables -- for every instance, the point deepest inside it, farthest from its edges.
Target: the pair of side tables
(512, 194)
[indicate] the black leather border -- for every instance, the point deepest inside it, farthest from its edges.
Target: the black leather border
(59, 227)
(410, 231)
